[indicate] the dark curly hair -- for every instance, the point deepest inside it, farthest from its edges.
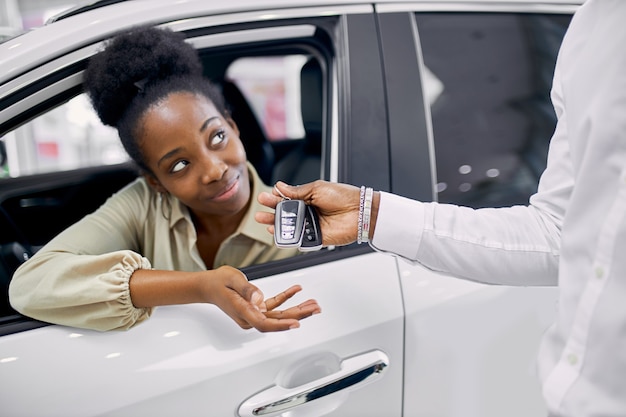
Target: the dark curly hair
(137, 69)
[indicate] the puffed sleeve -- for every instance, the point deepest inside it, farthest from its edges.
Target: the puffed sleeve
(87, 291)
(81, 277)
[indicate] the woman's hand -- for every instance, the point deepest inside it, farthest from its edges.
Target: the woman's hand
(230, 290)
(337, 206)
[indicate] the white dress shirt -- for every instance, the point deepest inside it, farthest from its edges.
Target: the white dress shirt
(573, 232)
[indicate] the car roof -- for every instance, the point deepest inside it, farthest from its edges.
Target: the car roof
(94, 21)
(92, 5)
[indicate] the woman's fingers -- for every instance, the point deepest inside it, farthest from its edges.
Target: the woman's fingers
(280, 320)
(299, 312)
(277, 300)
(245, 304)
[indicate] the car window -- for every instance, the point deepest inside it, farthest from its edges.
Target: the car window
(488, 80)
(67, 137)
(276, 101)
(273, 93)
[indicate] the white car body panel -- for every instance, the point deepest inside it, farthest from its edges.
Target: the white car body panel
(184, 354)
(470, 351)
(471, 348)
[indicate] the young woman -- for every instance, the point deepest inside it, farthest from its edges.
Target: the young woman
(177, 234)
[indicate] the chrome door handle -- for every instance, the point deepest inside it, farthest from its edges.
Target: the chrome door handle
(354, 370)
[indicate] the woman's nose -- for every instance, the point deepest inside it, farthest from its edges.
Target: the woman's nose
(213, 168)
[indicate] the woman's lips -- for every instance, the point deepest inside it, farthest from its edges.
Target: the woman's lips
(230, 190)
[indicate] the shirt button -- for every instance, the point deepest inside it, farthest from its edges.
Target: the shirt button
(599, 272)
(572, 359)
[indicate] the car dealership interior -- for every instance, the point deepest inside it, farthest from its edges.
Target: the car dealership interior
(19, 15)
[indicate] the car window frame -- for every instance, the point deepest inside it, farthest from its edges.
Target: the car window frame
(61, 79)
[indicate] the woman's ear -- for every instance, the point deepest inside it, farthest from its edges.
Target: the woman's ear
(154, 183)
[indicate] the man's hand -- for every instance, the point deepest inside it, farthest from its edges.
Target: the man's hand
(337, 206)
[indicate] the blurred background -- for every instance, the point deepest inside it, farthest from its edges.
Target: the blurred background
(20, 15)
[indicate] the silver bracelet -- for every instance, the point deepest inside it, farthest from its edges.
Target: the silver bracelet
(367, 211)
(359, 234)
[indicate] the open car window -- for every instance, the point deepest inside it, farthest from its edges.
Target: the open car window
(60, 163)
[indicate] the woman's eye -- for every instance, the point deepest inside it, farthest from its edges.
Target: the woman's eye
(179, 166)
(218, 138)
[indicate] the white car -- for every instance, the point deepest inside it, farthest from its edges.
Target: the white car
(434, 100)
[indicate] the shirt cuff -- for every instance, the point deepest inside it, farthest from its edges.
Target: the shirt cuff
(399, 226)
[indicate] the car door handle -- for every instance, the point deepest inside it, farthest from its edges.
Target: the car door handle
(354, 370)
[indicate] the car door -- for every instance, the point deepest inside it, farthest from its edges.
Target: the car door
(470, 115)
(193, 360)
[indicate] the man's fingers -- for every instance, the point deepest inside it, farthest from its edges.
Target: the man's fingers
(289, 191)
(268, 200)
(264, 217)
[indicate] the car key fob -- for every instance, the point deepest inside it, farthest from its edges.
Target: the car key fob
(289, 223)
(312, 234)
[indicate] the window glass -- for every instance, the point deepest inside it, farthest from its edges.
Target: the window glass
(272, 87)
(68, 137)
(277, 102)
(488, 80)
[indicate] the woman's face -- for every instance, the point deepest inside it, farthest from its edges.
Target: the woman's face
(195, 154)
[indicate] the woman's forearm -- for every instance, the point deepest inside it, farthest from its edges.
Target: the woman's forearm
(152, 288)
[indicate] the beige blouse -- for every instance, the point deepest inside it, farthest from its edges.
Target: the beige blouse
(80, 278)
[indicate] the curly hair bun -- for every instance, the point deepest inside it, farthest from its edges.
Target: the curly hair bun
(134, 61)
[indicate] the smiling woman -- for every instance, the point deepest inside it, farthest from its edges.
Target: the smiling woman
(195, 154)
(152, 242)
